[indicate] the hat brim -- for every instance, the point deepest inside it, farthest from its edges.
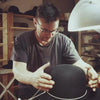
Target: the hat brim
(85, 93)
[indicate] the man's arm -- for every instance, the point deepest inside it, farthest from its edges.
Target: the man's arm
(21, 73)
(89, 72)
(37, 79)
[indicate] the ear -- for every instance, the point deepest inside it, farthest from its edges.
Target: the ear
(34, 21)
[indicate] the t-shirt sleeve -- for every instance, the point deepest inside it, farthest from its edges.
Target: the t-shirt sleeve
(19, 50)
(70, 53)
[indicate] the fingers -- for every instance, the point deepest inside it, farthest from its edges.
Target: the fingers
(99, 79)
(45, 85)
(45, 66)
(93, 78)
(43, 81)
(48, 82)
(92, 74)
(46, 76)
(93, 83)
(94, 89)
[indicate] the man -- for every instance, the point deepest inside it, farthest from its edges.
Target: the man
(34, 51)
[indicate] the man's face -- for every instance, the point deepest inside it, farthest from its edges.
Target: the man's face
(45, 31)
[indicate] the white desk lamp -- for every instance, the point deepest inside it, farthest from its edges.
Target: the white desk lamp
(85, 16)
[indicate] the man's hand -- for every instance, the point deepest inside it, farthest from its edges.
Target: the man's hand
(41, 80)
(90, 72)
(93, 78)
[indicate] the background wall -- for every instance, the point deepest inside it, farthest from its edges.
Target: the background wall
(23, 5)
(65, 6)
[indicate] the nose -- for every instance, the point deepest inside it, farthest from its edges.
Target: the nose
(49, 35)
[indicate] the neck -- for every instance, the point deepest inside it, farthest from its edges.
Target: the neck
(42, 43)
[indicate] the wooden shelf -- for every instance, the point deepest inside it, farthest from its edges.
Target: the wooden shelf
(90, 33)
(1, 44)
(5, 71)
(22, 28)
(89, 47)
(3, 60)
(88, 55)
(1, 28)
(88, 44)
(23, 16)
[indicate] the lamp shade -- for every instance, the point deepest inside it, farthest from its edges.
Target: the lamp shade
(85, 16)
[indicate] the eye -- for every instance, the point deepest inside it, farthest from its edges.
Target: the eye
(43, 30)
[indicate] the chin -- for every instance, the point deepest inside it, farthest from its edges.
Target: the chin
(46, 40)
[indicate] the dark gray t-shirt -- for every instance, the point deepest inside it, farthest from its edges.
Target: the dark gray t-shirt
(26, 49)
(60, 50)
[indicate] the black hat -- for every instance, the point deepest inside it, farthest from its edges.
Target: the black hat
(32, 12)
(70, 84)
(14, 9)
(1, 10)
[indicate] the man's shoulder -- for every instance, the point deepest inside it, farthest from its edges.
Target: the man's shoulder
(26, 34)
(26, 37)
(61, 37)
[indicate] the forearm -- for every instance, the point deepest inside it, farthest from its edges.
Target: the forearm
(84, 66)
(21, 73)
(25, 77)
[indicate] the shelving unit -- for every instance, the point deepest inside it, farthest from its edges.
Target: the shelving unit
(7, 33)
(90, 48)
(21, 28)
(3, 42)
(1, 28)
(94, 44)
(7, 30)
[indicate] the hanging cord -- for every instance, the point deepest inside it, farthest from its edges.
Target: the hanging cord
(35, 95)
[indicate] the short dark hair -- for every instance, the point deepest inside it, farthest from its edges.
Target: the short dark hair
(48, 11)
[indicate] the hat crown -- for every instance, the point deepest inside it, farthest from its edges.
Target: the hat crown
(70, 81)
